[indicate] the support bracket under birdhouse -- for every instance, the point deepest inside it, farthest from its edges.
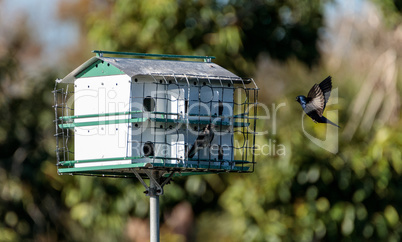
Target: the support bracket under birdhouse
(158, 181)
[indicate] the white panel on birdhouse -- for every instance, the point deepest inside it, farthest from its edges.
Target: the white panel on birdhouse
(215, 103)
(101, 137)
(227, 99)
(176, 101)
(176, 142)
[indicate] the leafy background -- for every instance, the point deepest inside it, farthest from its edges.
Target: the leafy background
(308, 194)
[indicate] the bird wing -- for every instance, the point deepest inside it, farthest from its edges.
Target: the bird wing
(326, 86)
(203, 140)
(315, 101)
(192, 151)
(198, 144)
(201, 136)
(211, 135)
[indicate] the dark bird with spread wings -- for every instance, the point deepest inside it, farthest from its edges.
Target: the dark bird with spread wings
(203, 140)
(316, 100)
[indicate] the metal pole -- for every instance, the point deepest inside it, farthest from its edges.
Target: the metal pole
(154, 209)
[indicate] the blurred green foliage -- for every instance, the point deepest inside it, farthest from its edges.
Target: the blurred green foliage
(307, 194)
(230, 30)
(392, 9)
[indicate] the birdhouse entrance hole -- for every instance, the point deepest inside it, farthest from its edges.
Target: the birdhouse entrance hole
(149, 104)
(148, 149)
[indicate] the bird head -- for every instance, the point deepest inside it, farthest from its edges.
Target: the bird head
(209, 126)
(301, 99)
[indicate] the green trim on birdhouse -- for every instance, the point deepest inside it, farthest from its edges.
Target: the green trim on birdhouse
(72, 162)
(141, 120)
(190, 173)
(97, 168)
(100, 68)
(104, 173)
(142, 165)
(104, 122)
(161, 158)
(193, 169)
(112, 173)
(98, 115)
(100, 53)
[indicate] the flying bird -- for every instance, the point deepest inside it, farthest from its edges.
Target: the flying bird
(316, 100)
(203, 140)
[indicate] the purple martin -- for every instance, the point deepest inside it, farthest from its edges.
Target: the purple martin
(220, 152)
(316, 100)
(203, 140)
(220, 108)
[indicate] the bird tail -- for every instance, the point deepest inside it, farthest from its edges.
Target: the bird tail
(191, 152)
(330, 122)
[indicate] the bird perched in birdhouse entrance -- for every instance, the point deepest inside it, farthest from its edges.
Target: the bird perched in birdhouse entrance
(203, 140)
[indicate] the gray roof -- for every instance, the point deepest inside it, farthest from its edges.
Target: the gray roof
(140, 67)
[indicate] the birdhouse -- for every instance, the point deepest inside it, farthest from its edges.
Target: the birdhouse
(117, 115)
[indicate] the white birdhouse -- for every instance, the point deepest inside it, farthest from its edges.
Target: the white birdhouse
(115, 115)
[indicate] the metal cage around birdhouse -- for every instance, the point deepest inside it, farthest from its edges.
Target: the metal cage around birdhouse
(117, 115)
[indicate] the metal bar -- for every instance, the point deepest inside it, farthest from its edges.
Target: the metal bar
(98, 115)
(104, 122)
(157, 165)
(220, 113)
(67, 112)
(151, 175)
(55, 92)
(255, 123)
(155, 108)
(186, 109)
(167, 99)
(154, 208)
(167, 179)
(190, 173)
(142, 116)
(62, 113)
(72, 162)
(100, 53)
(246, 107)
(189, 169)
(141, 180)
(241, 115)
(129, 146)
(233, 150)
(129, 175)
(98, 168)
